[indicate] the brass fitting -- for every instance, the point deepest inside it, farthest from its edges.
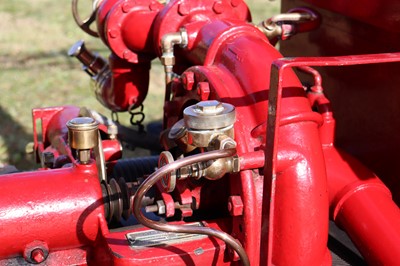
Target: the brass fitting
(167, 46)
(208, 119)
(83, 136)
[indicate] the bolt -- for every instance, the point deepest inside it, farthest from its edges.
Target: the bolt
(188, 80)
(218, 7)
(183, 9)
(113, 33)
(203, 90)
(126, 7)
(209, 107)
(127, 54)
(37, 255)
(235, 205)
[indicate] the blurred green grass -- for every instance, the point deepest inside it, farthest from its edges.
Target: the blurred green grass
(35, 70)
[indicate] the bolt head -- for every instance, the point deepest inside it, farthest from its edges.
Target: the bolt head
(209, 107)
(203, 90)
(127, 54)
(38, 255)
(218, 7)
(188, 80)
(126, 7)
(113, 33)
(235, 205)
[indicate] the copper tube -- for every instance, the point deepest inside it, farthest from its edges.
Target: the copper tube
(156, 176)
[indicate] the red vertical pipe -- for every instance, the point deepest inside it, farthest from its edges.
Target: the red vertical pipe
(362, 205)
(298, 222)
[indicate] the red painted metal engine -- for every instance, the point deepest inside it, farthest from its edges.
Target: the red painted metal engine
(250, 167)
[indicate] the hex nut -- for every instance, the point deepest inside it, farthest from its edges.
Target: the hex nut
(188, 80)
(235, 205)
(168, 60)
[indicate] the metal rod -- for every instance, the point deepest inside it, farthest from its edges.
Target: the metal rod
(156, 176)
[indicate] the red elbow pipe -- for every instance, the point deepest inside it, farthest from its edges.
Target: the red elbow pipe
(299, 216)
(362, 205)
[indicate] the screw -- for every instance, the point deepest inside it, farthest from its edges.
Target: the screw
(37, 255)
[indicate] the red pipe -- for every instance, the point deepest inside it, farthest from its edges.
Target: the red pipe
(58, 209)
(252, 160)
(362, 209)
(301, 193)
(362, 205)
(297, 217)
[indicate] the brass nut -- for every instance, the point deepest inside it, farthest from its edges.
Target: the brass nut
(168, 60)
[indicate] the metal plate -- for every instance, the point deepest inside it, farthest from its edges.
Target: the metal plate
(151, 238)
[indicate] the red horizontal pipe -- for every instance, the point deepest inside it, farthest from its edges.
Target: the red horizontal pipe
(252, 160)
(59, 208)
(362, 205)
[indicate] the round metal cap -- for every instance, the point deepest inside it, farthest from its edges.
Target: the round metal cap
(82, 124)
(82, 133)
(208, 115)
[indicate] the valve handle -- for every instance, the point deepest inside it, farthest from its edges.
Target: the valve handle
(85, 24)
(168, 181)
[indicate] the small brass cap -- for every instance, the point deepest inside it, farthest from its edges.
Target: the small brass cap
(83, 133)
